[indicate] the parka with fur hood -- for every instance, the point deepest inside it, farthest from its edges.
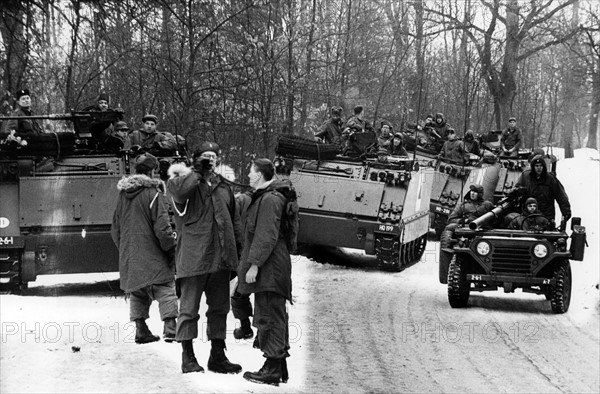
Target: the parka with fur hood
(208, 223)
(545, 189)
(142, 233)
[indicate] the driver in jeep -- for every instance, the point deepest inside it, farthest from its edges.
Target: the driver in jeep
(531, 219)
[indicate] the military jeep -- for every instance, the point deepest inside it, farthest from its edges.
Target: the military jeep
(486, 259)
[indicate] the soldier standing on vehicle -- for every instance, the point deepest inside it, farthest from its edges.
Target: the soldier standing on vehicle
(142, 232)
(265, 270)
(331, 131)
(545, 188)
(471, 144)
(23, 108)
(510, 141)
(148, 139)
(453, 149)
(384, 140)
(207, 251)
(357, 122)
(397, 146)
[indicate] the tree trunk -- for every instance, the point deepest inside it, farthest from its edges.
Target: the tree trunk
(290, 70)
(12, 23)
(72, 55)
(307, 96)
(592, 141)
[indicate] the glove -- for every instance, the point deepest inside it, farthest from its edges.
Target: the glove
(566, 217)
(136, 149)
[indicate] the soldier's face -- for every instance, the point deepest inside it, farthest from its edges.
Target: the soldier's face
(149, 127)
(25, 101)
(385, 130)
(474, 195)
(451, 136)
(538, 167)
(103, 105)
(254, 176)
(512, 123)
(531, 208)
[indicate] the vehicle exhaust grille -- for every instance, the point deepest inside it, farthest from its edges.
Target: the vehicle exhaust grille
(513, 259)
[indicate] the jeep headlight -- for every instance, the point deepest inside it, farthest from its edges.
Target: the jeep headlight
(540, 251)
(483, 248)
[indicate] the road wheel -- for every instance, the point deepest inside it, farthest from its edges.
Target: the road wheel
(561, 292)
(445, 257)
(458, 287)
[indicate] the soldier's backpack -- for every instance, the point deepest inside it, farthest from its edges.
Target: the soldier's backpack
(290, 221)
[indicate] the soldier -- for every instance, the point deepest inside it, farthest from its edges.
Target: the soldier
(471, 144)
(397, 147)
(531, 218)
(441, 127)
(510, 141)
(385, 137)
(473, 207)
(357, 123)
(23, 108)
(331, 131)
(148, 139)
(265, 270)
(206, 253)
(545, 188)
(453, 149)
(143, 235)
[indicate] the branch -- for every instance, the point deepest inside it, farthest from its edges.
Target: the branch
(548, 44)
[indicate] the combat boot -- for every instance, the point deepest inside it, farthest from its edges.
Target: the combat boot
(142, 332)
(285, 376)
(189, 362)
(270, 373)
(170, 327)
(218, 362)
(245, 331)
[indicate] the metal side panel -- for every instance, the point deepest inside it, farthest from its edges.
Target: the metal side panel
(419, 192)
(334, 194)
(66, 201)
(9, 209)
(438, 184)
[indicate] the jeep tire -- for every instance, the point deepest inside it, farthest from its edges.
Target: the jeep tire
(458, 286)
(561, 292)
(445, 257)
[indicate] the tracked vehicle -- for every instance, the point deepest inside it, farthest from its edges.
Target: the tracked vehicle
(58, 196)
(380, 207)
(488, 259)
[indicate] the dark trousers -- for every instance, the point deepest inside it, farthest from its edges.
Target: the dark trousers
(164, 293)
(271, 321)
(241, 306)
(216, 288)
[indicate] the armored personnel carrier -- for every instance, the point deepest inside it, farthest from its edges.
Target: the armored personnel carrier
(484, 258)
(378, 206)
(58, 196)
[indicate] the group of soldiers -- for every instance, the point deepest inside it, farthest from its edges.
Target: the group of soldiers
(537, 189)
(433, 134)
(108, 136)
(218, 234)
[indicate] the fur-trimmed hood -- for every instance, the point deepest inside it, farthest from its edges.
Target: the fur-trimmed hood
(133, 184)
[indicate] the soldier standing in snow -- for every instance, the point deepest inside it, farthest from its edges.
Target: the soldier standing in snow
(206, 254)
(143, 234)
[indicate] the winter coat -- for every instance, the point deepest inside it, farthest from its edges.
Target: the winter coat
(470, 210)
(511, 138)
(265, 245)
(453, 150)
(22, 125)
(358, 125)
(159, 144)
(545, 189)
(142, 233)
(331, 131)
(530, 221)
(471, 145)
(208, 223)
(441, 128)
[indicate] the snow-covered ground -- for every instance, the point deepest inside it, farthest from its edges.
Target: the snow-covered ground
(65, 336)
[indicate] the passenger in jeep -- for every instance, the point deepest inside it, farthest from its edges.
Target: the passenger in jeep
(531, 219)
(473, 207)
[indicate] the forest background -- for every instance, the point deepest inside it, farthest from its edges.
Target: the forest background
(242, 72)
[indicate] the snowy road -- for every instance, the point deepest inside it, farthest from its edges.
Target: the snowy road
(352, 328)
